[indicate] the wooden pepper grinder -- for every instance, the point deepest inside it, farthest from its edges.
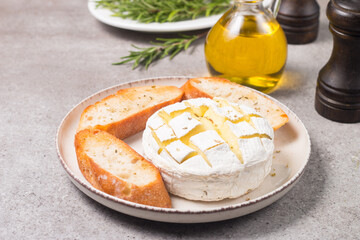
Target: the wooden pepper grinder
(299, 20)
(338, 87)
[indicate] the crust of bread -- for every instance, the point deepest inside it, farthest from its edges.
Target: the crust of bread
(153, 193)
(211, 87)
(129, 124)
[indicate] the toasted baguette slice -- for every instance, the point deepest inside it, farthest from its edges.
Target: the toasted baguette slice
(218, 87)
(126, 112)
(112, 166)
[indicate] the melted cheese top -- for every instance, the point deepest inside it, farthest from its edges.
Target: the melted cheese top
(212, 134)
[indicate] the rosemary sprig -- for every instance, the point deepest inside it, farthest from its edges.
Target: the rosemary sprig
(164, 47)
(147, 11)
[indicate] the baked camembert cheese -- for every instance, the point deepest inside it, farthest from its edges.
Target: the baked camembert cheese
(209, 149)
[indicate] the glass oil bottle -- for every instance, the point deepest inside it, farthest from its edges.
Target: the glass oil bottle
(247, 46)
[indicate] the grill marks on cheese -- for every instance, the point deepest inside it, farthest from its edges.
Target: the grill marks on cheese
(209, 120)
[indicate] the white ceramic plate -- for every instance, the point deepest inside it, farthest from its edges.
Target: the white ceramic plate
(292, 150)
(104, 15)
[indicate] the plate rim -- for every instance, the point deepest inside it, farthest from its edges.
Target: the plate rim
(138, 206)
(170, 27)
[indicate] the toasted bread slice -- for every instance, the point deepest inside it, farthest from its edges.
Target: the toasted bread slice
(218, 87)
(112, 166)
(126, 112)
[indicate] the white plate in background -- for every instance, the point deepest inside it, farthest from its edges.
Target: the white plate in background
(104, 16)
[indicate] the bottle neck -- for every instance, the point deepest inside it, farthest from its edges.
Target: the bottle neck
(248, 2)
(271, 6)
(249, 5)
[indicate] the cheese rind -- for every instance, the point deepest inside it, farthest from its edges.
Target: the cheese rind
(206, 140)
(200, 163)
(175, 107)
(252, 150)
(221, 156)
(229, 112)
(164, 133)
(196, 165)
(261, 124)
(183, 124)
(248, 110)
(268, 145)
(178, 150)
(242, 129)
(156, 122)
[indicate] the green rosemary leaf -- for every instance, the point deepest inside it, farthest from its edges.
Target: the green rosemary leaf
(175, 52)
(171, 15)
(122, 62)
(160, 49)
(188, 44)
(147, 11)
(208, 11)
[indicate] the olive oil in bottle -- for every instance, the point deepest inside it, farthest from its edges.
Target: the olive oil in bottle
(247, 46)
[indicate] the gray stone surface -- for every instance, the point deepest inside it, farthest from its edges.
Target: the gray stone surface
(54, 54)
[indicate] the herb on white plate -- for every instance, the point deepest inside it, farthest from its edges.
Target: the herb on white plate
(147, 11)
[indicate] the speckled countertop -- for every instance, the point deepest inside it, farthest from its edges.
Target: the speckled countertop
(54, 54)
